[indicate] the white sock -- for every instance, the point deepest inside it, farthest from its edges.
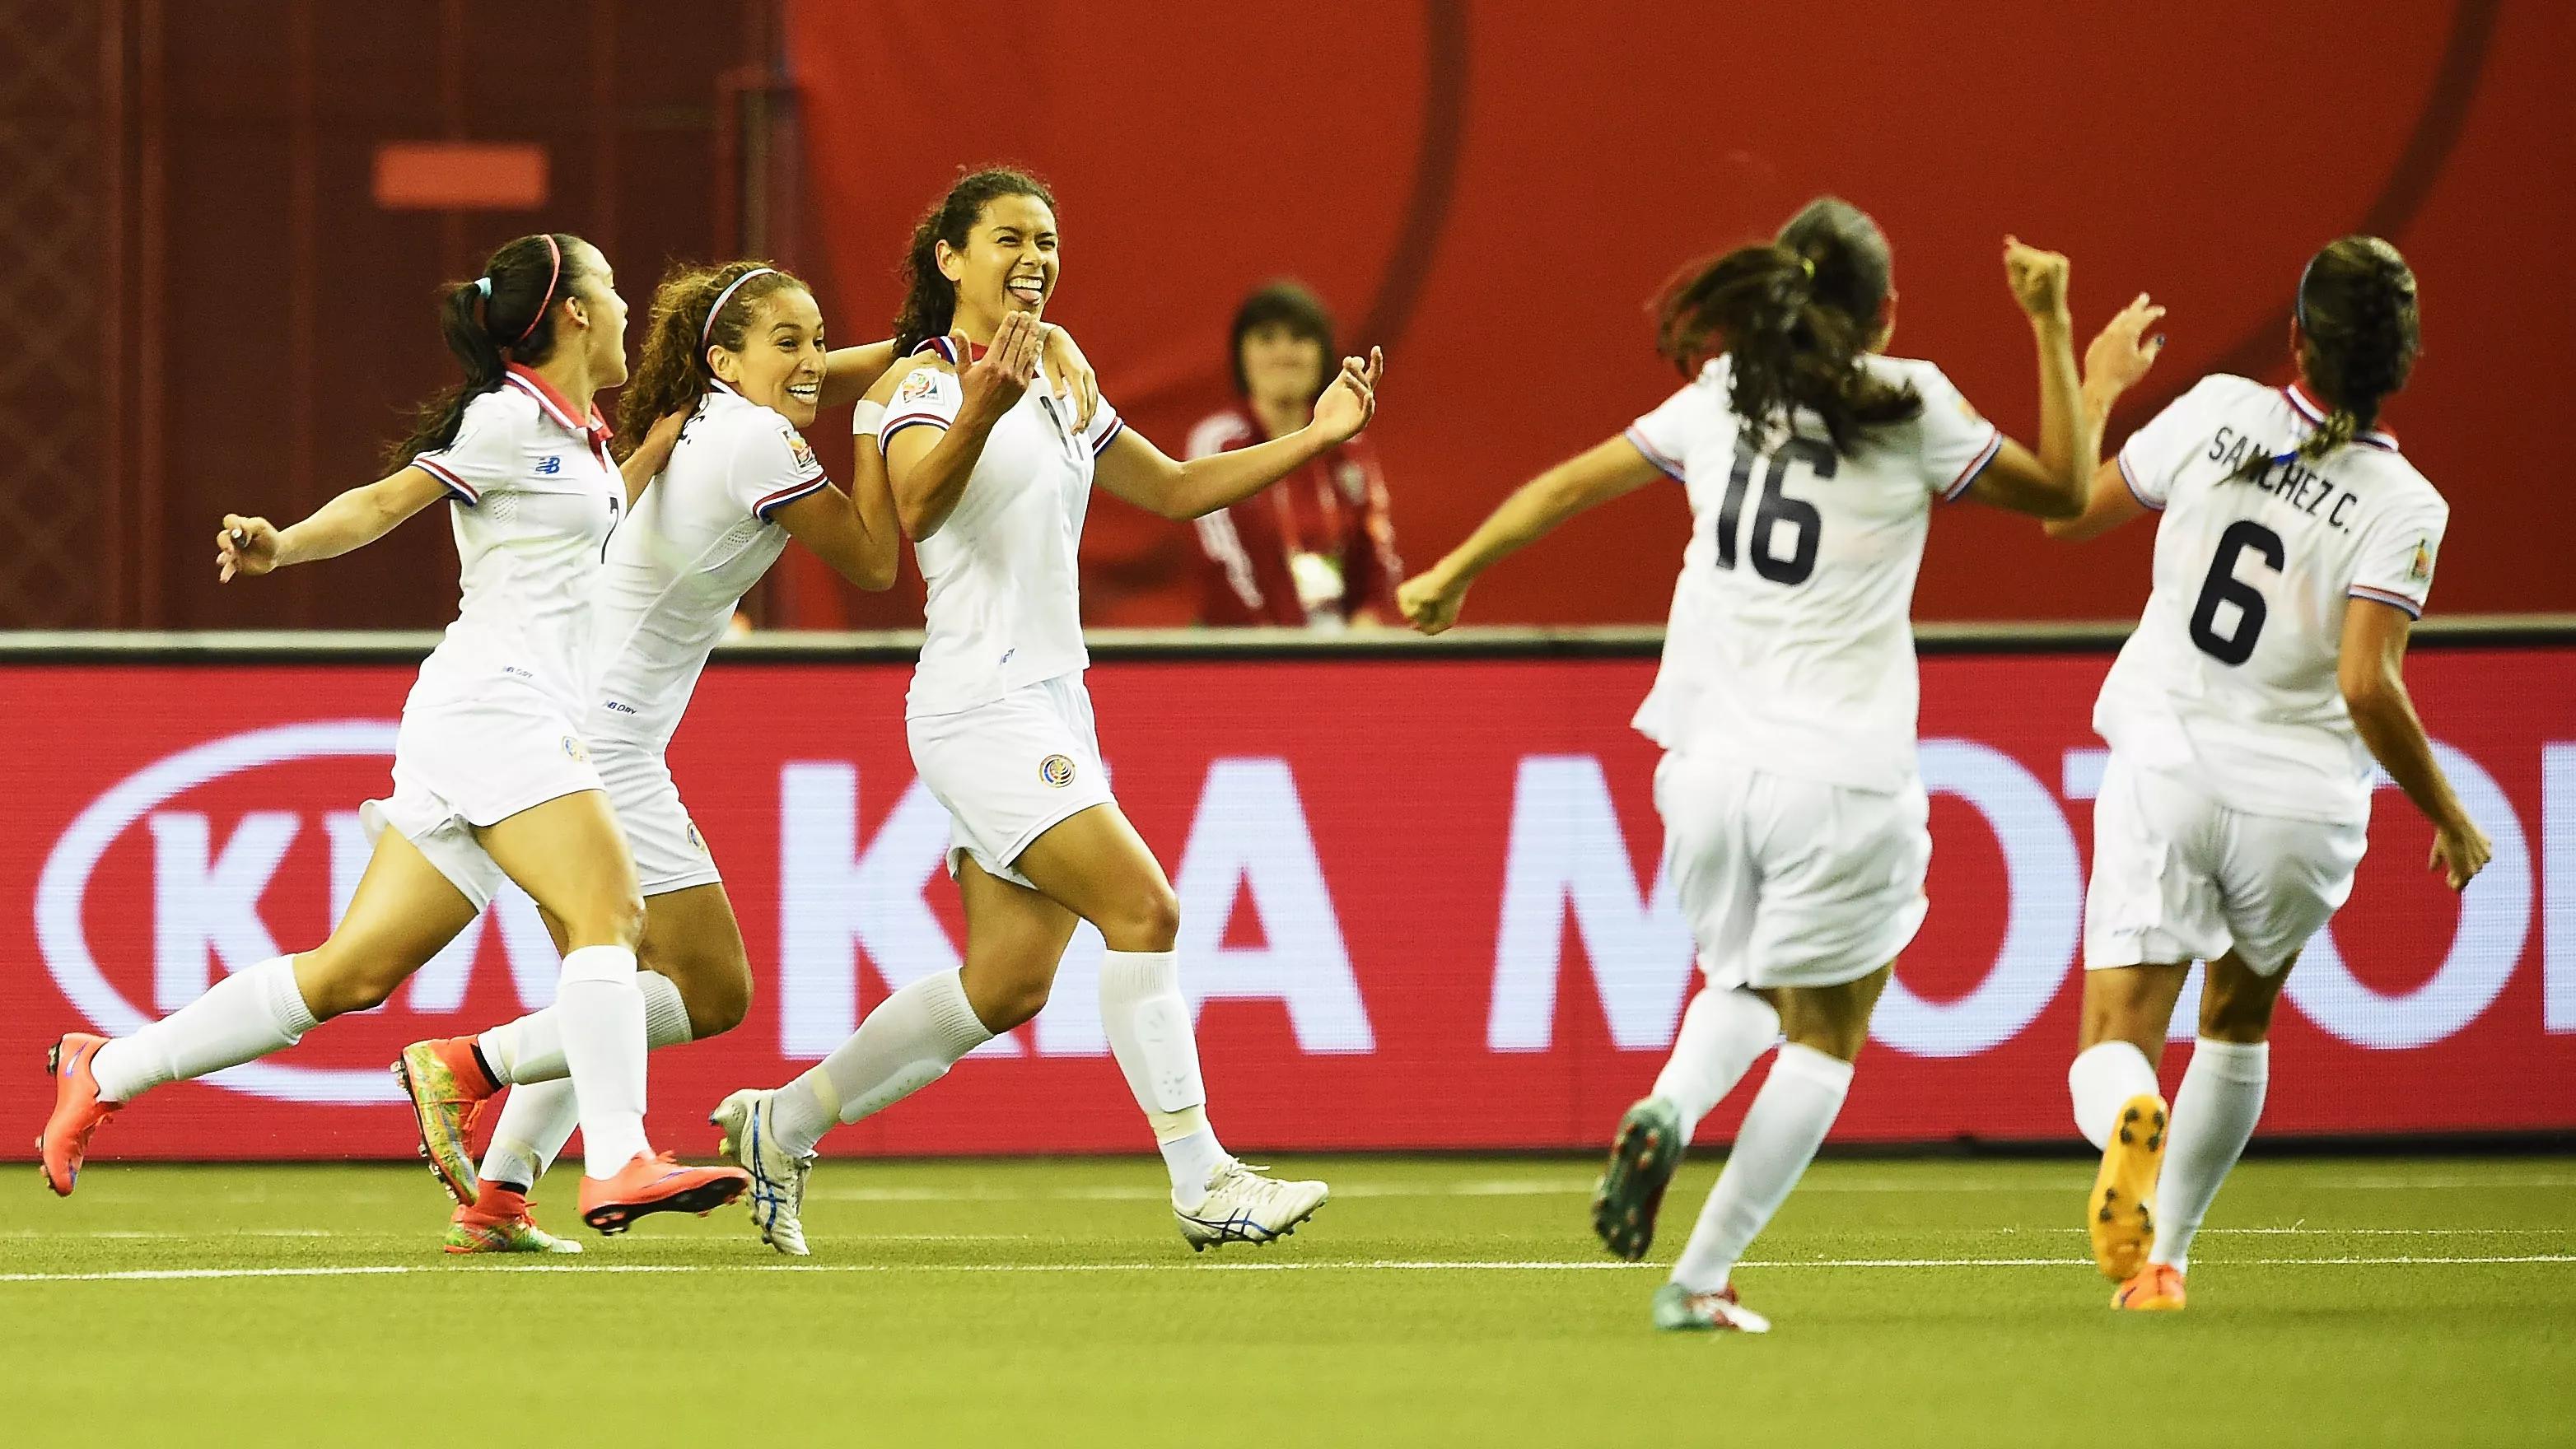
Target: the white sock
(536, 1120)
(907, 1043)
(530, 1049)
(245, 1016)
(1722, 1031)
(600, 1014)
(1791, 1115)
(2214, 1112)
(1156, 1043)
(2104, 1077)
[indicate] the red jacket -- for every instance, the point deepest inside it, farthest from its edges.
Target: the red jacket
(1334, 507)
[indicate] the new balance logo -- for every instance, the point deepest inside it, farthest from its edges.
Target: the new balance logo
(550, 465)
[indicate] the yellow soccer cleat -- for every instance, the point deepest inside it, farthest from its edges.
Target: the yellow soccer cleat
(2121, 1215)
(2157, 1288)
(448, 1087)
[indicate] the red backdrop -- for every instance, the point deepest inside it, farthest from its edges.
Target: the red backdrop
(1452, 936)
(1492, 191)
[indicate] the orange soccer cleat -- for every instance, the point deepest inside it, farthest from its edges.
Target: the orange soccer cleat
(77, 1110)
(499, 1222)
(2121, 1214)
(2157, 1288)
(650, 1184)
(448, 1086)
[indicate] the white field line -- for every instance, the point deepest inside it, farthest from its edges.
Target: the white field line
(1382, 1265)
(1582, 1187)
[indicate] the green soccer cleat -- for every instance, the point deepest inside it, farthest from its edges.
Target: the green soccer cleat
(1643, 1158)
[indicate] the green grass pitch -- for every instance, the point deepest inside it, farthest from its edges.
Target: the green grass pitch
(1435, 1301)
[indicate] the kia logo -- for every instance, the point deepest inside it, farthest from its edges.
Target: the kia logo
(63, 888)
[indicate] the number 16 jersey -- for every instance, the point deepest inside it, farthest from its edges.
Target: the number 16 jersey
(1791, 647)
(2231, 674)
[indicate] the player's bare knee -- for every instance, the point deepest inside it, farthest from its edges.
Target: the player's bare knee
(337, 982)
(1147, 919)
(1016, 1002)
(2236, 1002)
(718, 1003)
(613, 920)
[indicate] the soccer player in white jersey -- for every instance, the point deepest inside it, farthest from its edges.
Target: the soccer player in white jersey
(492, 766)
(2295, 547)
(1793, 815)
(991, 478)
(739, 352)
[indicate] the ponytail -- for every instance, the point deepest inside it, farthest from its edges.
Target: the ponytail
(929, 298)
(1787, 347)
(674, 375)
(2359, 335)
(506, 314)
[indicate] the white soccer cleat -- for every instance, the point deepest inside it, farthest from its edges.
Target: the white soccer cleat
(1242, 1206)
(777, 1193)
(1678, 1310)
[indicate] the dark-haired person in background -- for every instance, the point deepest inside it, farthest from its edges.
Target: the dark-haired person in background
(992, 478)
(2294, 550)
(1794, 819)
(492, 775)
(1318, 548)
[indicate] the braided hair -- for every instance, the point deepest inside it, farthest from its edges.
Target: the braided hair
(2358, 339)
(1794, 316)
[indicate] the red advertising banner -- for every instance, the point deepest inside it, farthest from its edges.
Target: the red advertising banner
(1421, 901)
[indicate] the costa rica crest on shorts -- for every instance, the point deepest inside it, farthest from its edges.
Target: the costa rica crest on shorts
(696, 841)
(1056, 770)
(573, 748)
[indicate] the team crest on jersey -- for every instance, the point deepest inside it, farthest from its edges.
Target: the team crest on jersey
(922, 383)
(1056, 770)
(2421, 569)
(574, 749)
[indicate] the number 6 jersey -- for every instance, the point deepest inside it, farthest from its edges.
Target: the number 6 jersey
(1791, 647)
(2231, 675)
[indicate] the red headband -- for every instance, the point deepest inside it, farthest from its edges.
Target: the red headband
(554, 274)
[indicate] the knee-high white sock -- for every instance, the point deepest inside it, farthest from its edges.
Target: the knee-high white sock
(2104, 1077)
(1790, 1116)
(907, 1043)
(538, 1116)
(2214, 1112)
(1157, 1046)
(536, 1120)
(245, 1016)
(530, 1049)
(600, 1012)
(1722, 1031)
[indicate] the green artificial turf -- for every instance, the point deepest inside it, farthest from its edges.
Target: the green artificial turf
(1435, 1301)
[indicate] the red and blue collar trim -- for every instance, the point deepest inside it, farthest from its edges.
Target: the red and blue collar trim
(2306, 407)
(946, 350)
(554, 404)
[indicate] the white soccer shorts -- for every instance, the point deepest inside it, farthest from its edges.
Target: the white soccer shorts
(466, 766)
(2179, 877)
(1009, 771)
(1790, 882)
(670, 854)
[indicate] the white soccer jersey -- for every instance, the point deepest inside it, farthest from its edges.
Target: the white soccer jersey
(701, 536)
(1005, 606)
(1790, 647)
(535, 498)
(2231, 673)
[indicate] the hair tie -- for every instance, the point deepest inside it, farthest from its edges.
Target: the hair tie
(1808, 264)
(708, 332)
(484, 286)
(554, 274)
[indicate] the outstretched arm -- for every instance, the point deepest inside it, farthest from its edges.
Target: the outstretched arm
(2371, 671)
(1431, 599)
(1138, 472)
(248, 546)
(2073, 407)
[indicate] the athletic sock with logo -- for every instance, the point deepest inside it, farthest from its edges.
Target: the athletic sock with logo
(601, 1011)
(2214, 1112)
(1723, 1030)
(241, 1018)
(907, 1043)
(1156, 1043)
(530, 1049)
(2102, 1080)
(1788, 1122)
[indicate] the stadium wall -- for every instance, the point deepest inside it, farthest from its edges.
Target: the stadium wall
(1420, 888)
(1493, 191)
